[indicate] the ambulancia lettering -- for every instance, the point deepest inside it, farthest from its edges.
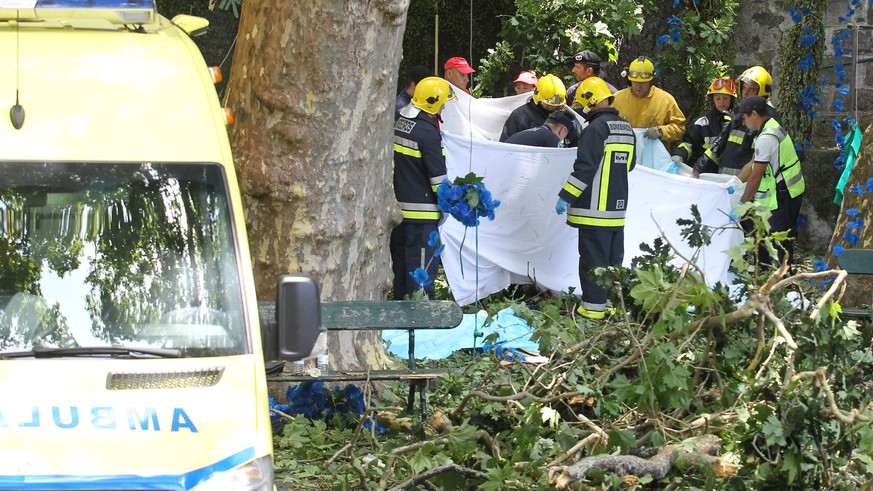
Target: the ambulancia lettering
(101, 418)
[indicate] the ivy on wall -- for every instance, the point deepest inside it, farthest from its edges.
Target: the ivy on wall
(801, 61)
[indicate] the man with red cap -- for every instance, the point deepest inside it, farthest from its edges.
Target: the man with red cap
(458, 72)
(525, 82)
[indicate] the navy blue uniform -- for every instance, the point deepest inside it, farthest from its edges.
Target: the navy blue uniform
(535, 137)
(419, 168)
(597, 193)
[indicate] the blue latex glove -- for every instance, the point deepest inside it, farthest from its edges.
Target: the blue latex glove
(736, 215)
(561, 206)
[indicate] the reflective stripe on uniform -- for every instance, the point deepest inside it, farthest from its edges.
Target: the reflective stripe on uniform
(421, 215)
(574, 186)
(407, 151)
(596, 222)
(736, 136)
(419, 206)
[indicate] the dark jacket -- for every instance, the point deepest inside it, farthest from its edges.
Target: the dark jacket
(535, 137)
(419, 167)
(524, 117)
(597, 189)
(700, 134)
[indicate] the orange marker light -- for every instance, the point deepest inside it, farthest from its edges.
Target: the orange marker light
(216, 74)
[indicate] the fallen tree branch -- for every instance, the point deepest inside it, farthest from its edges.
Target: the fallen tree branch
(424, 476)
(821, 380)
(658, 466)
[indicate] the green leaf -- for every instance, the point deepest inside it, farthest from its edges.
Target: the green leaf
(773, 431)
(791, 465)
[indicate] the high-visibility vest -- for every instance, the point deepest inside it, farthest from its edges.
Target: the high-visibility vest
(789, 168)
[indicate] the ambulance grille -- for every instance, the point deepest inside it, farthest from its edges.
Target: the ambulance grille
(206, 377)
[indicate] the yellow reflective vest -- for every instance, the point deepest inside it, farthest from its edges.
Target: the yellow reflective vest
(789, 167)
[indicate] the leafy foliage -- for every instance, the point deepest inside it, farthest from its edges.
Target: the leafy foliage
(763, 365)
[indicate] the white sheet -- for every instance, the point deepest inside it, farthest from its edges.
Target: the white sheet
(528, 242)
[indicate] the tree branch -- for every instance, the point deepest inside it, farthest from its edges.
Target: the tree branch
(424, 476)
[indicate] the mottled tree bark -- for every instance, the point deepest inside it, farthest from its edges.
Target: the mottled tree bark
(312, 88)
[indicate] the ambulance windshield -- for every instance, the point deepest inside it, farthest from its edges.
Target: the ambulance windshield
(109, 254)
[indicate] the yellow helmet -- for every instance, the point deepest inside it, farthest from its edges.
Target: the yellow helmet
(641, 70)
(723, 85)
(590, 92)
(550, 93)
(431, 93)
(760, 76)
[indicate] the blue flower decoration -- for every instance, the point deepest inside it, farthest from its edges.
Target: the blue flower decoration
(662, 39)
(838, 249)
(434, 239)
(820, 265)
(421, 277)
(852, 212)
(851, 238)
(466, 199)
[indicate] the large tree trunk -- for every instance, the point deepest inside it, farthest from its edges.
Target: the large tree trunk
(859, 287)
(312, 87)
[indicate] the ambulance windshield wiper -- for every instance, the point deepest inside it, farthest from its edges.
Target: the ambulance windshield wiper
(113, 351)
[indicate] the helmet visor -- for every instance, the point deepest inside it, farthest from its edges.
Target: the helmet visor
(554, 103)
(724, 83)
(640, 74)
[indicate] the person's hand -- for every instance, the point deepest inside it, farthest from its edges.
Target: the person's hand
(737, 213)
(561, 206)
(677, 159)
(653, 133)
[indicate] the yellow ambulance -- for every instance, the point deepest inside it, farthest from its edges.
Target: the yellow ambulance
(131, 350)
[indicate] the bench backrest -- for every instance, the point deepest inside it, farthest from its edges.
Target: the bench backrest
(856, 261)
(395, 314)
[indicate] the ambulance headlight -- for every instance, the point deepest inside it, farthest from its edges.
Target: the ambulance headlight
(256, 475)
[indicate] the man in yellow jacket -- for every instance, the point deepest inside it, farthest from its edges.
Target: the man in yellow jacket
(645, 106)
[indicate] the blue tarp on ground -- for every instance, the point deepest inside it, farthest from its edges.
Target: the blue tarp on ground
(434, 344)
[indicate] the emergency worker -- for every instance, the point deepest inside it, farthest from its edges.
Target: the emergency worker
(644, 105)
(419, 168)
(776, 178)
(550, 134)
(700, 134)
(596, 192)
(734, 148)
(548, 96)
(585, 64)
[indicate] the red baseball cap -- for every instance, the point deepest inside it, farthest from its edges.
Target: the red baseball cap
(459, 63)
(526, 78)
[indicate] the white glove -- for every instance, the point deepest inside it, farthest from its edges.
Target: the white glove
(653, 133)
(677, 159)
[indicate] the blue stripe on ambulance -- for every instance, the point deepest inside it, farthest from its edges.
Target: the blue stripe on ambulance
(175, 483)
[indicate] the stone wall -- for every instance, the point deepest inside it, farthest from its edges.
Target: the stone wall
(761, 32)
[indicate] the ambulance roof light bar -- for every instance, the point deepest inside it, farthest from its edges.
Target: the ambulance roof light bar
(115, 11)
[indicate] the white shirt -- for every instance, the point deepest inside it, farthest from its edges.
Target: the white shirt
(767, 152)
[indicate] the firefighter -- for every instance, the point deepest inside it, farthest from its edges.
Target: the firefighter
(700, 134)
(776, 178)
(646, 106)
(734, 149)
(548, 96)
(596, 192)
(419, 168)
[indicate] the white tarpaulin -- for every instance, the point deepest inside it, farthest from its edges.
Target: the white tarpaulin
(528, 242)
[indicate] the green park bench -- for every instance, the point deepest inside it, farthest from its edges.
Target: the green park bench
(857, 261)
(409, 315)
